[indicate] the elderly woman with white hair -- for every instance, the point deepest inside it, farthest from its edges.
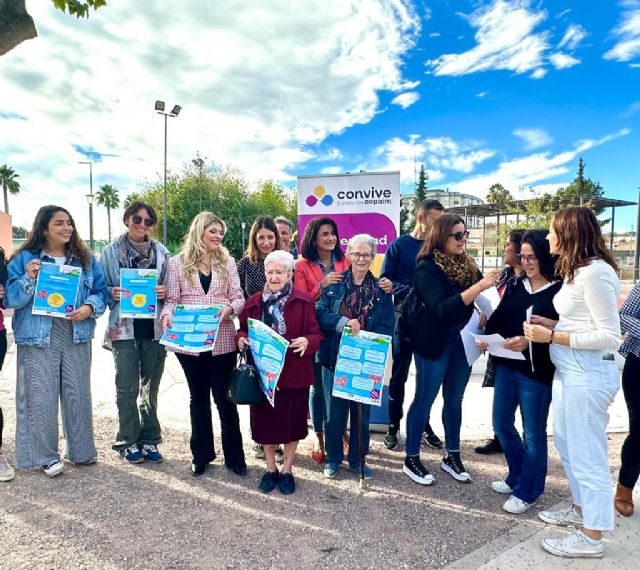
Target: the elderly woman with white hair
(291, 313)
(358, 302)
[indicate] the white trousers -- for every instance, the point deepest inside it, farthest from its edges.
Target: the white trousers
(584, 387)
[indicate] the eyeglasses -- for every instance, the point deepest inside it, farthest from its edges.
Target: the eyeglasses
(276, 272)
(528, 258)
(147, 221)
(363, 256)
(459, 236)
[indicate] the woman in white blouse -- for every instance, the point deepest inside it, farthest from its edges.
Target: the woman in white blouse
(586, 381)
(204, 273)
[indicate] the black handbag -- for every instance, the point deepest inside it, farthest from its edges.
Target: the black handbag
(244, 386)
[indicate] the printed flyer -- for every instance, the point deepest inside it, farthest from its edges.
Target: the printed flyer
(56, 290)
(194, 328)
(361, 365)
(138, 299)
(269, 350)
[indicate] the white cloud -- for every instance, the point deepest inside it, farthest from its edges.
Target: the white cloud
(438, 154)
(258, 97)
(572, 37)
(405, 100)
(435, 34)
(533, 138)
(627, 34)
(519, 174)
(330, 154)
(563, 60)
(631, 109)
(332, 170)
(505, 39)
(481, 94)
(539, 73)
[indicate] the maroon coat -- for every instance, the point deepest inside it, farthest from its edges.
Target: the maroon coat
(300, 319)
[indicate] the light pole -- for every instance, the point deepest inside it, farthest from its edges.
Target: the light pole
(159, 107)
(199, 164)
(244, 227)
(90, 197)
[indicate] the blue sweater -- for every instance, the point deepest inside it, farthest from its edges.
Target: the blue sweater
(400, 263)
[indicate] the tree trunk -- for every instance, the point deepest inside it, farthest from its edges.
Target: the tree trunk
(6, 198)
(16, 25)
(109, 222)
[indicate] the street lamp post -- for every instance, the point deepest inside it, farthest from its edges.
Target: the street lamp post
(159, 107)
(199, 164)
(90, 197)
(244, 226)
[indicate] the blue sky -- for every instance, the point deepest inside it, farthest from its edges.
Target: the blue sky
(477, 91)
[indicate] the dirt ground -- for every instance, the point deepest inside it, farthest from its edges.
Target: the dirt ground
(119, 516)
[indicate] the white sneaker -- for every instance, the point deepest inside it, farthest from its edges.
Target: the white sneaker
(257, 451)
(516, 506)
(6, 471)
(574, 545)
(563, 517)
(54, 468)
(501, 487)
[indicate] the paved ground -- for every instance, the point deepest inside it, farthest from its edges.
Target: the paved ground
(118, 516)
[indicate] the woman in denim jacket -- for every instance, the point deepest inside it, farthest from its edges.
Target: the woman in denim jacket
(54, 354)
(358, 302)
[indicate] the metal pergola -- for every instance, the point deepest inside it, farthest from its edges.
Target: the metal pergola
(552, 204)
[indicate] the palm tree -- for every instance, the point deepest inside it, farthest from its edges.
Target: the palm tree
(108, 197)
(8, 179)
(498, 194)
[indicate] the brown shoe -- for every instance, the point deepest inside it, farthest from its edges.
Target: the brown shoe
(624, 500)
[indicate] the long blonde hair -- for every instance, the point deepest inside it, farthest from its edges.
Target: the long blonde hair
(193, 250)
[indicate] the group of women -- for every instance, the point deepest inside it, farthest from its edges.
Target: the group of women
(560, 314)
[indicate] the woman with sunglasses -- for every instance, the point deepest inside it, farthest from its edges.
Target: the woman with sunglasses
(447, 281)
(134, 343)
(586, 381)
(524, 382)
(54, 354)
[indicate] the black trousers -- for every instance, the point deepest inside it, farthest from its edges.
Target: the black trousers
(206, 375)
(3, 352)
(630, 469)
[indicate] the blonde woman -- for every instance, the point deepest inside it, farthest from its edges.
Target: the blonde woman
(204, 273)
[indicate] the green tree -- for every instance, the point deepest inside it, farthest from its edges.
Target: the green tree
(18, 232)
(9, 182)
(78, 8)
(580, 190)
(499, 195)
(131, 198)
(421, 187)
(108, 197)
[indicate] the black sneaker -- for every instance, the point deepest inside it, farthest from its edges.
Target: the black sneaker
(452, 464)
(269, 481)
(492, 446)
(416, 471)
(391, 440)
(432, 440)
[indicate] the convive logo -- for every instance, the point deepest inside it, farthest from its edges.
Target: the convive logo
(319, 195)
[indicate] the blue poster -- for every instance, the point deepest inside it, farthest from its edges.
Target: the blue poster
(360, 368)
(194, 328)
(138, 300)
(56, 290)
(269, 350)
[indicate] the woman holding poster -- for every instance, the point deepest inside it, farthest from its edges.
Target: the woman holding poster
(323, 265)
(291, 314)
(358, 303)
(54, 353)
(204, 273)
(137, 354)
(446, 283)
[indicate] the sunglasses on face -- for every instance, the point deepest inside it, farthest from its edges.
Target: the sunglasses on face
(147, 221)
(528, 258)
(459, 236)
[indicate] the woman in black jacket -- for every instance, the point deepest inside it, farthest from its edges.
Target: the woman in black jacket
(447, 281)
(524, 382)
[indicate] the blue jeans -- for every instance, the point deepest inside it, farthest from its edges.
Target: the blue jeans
(451, 371)
(335, 421)
(316, 399)
(527, 460)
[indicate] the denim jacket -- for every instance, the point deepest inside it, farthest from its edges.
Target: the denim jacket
(35, 330)
(381, 319)
(118, 328)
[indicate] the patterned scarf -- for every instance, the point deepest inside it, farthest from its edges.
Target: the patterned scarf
(456, 267)
(136, 255)
(273, 308)
(358, 300)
